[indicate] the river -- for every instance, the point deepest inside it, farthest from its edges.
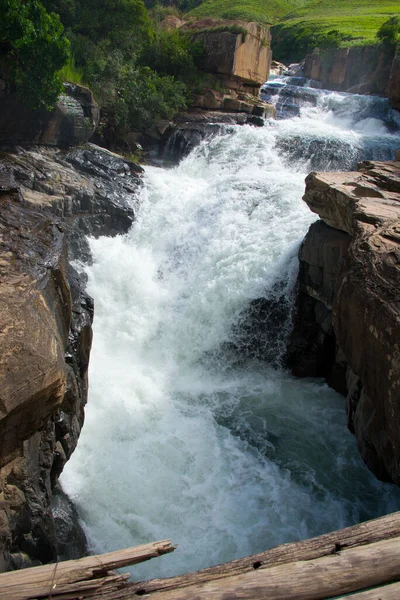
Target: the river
(189, 436)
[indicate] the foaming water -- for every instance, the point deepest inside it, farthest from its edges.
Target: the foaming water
(186, 437)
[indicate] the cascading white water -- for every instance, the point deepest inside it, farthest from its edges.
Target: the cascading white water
(186, 438)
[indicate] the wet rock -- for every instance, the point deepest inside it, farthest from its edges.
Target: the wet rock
(70, 537)
(93, 190)
(45, 338)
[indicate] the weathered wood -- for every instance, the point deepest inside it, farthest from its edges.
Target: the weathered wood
(387, 592)
(363, 533)
(349, 570)
(85, 572)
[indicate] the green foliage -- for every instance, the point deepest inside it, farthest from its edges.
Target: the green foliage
(294, 42)
(173, 53)
(71, 73)
(389, 32)
(142, 96)
(33, 44)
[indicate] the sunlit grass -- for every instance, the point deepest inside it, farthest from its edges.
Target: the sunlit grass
(356, 19)
(71, 73)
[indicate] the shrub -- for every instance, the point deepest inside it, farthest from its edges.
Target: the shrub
(388, 33)
(33, 44)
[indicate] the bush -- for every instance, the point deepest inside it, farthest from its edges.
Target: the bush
(33, 44)
(141, 97)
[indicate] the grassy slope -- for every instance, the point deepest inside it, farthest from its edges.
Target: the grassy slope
(359, 19)
(262, 11)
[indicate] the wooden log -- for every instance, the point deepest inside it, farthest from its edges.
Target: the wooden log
(45, 580)
(387, 592)
(347, 571)
(363, 533)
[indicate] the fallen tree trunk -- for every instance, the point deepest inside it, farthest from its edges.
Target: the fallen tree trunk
(347, 571)
(76, 577)
(363, 533)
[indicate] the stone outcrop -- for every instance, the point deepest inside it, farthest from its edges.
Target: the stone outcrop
(49, 200)
(73, 120)
(348, 320)
(360, 69)
(93, 190)
(190, 128)
(238, 51)
(45, 325)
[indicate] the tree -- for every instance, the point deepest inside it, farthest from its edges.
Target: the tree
(389, 32)
(33, 50)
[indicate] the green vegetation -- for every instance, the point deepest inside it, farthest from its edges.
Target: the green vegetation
(138, 72)
(32, 51)
(262, 11)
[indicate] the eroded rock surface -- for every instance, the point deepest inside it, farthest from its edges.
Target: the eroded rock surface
(45, 336)
(350, 302)
(49, 200)
(93, 190)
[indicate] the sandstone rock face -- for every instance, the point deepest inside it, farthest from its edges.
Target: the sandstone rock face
(362, 70)
(243, 56)
(49, 200)
(73, 120)
(349, 282)
(45, 325)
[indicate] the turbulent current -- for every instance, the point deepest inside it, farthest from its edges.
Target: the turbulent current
(189, 434)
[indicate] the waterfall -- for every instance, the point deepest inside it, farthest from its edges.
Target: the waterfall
(190, 434)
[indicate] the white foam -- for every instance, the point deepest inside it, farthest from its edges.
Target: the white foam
(178, 443)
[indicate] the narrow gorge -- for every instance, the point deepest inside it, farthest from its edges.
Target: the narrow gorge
(230, 324)
(187, 372)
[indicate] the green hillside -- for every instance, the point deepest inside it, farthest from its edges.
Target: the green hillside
(310, 22)
(261, 11)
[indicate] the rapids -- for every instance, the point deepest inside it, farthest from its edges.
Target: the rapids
(187, 436)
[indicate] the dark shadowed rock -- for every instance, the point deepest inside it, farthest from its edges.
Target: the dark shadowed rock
(72, 121)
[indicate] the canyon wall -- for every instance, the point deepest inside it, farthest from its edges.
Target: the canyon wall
(360, 70)
(347, 326)
(49, 200)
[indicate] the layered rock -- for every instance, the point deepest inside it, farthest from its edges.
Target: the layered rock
(45, 339)
(93, 190)
(237, 50)
(72, 121)
(49, 199)
(360, 69)
(348, 321)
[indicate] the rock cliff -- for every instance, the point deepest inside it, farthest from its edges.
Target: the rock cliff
(360, 70)
(348, 314)
(49, 200)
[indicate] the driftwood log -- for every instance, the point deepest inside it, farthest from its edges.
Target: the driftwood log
(361, 562)
(77, 578)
